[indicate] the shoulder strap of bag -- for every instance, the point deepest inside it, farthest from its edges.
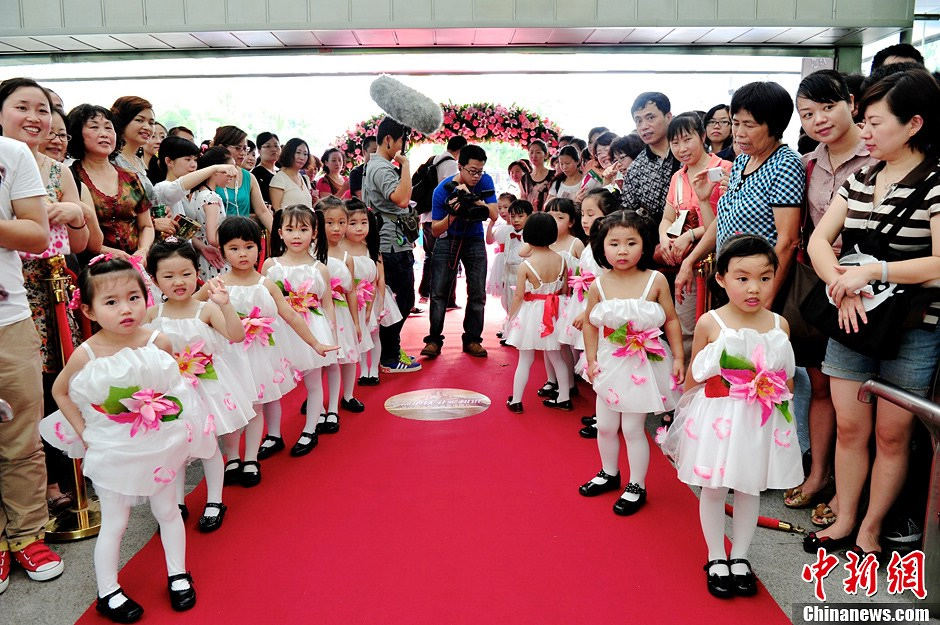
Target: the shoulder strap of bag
(910, 204)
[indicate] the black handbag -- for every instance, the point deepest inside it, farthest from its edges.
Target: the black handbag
(902, 310)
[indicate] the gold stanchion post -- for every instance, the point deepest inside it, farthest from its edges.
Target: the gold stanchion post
(83, 519)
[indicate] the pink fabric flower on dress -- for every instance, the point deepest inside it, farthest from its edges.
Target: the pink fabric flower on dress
(193, 362)
(145, 409)
(257, 328)
(638, 343)
(580, 282)
(766, 387)
(300, 298)
(338, 292)
(365, 293)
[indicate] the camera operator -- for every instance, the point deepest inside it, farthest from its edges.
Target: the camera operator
(459, 207)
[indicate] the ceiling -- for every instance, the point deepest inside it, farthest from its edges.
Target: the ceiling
(448, 37)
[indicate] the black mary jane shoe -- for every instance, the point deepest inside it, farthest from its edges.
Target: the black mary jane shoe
(625, 507)
(270, 446)
(812, 542)
(181, 600)
(593, 489)
(128, 612)
(184, 512)
(233, 472)
(251, 478)
(304, 444)
(744, 585)
(208, 523)
(330, 426)
(718, 585)
(352, 405)
(513, 407)
(588, 431)
(591, 420)
(566, 405)
(368, 381)
(549, 389)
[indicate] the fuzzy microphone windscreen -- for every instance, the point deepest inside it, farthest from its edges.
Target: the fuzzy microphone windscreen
(406, 105)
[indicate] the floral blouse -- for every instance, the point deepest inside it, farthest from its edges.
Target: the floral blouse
(117, 215)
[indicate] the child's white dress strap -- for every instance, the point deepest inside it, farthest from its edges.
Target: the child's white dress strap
(721, 324)
(571, 247)
(600, 288)
(776, 321)
(88, 350)
(260, 279)
(160, 309)
(198, 310)
(153, 337)
(532, 269)
(649, 284)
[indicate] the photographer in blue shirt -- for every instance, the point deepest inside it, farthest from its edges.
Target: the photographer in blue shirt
(459, 207)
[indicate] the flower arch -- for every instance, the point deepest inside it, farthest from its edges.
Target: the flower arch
(477, 122)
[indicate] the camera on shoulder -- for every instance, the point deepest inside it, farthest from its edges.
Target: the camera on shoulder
(463, 204)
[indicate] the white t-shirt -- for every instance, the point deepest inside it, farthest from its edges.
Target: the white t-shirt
(19, 179)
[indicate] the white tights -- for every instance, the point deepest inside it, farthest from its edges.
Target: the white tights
(711, 510)
(609, 422)
(567, 357)
(313, 380)
(335, 373)
(369, 361)
(214, 470)
(114, 516)
(521, 377)
(272, 418)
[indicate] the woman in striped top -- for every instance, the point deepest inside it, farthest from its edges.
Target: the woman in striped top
(902, 131)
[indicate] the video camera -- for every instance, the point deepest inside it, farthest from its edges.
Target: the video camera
(463, 204)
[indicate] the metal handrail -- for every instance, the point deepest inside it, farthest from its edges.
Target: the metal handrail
(929, 414)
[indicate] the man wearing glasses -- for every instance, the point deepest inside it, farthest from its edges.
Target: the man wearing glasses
(460, 239)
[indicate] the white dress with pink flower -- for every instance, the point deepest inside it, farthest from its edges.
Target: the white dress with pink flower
(733, 430)
(213, 367)
(634, 359)
(278, 357)
(365, 276)
(304, 288)
(534, 326)
(341, 281)
(579, 280)
(143, 421)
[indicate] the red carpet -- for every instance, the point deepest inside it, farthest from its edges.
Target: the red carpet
(474, 520)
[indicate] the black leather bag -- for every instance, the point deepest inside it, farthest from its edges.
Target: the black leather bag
(903, 310)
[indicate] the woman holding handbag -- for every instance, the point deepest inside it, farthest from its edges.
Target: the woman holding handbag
(886, 215)
(824, 104)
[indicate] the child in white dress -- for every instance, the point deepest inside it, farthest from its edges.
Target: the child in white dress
(735, 429)
(362, 243)
(126, 408)
(200, 333)
(332, 221)
(632, 371)
(497, 265)
(305, 284)
(276, 339)
(533, 318)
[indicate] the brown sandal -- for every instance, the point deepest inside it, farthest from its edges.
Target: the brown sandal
(823, 516)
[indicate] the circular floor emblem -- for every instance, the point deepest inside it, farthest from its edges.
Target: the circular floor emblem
(437, 404)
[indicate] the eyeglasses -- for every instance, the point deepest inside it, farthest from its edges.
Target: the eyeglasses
(473, 172)
(718, 123)
(61, 136)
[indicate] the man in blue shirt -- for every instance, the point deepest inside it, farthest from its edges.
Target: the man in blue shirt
(460, 240)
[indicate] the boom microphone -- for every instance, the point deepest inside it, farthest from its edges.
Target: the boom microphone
(406, 105)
